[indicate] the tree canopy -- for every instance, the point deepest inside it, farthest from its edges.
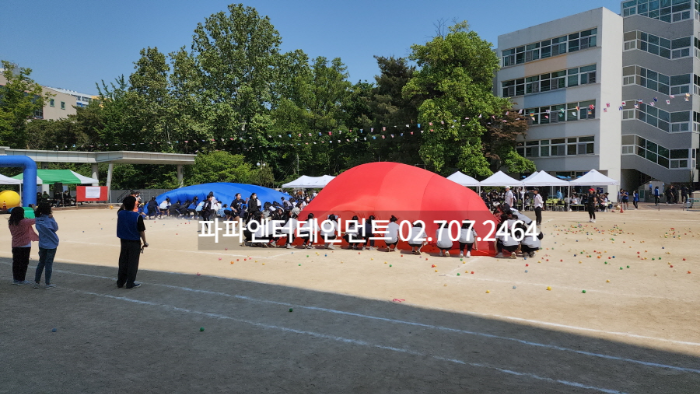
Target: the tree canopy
(253, 113)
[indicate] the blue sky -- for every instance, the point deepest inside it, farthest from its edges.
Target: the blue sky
(73, 44)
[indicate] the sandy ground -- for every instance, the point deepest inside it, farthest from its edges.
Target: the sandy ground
(341, 321)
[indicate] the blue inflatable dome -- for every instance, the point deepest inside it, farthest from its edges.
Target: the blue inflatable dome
(223, 191)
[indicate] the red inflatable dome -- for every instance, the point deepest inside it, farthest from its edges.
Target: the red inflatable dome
(407, 192)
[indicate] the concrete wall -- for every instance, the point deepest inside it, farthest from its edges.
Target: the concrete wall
(55, 112)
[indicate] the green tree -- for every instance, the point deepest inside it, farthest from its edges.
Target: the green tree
(454, 83)
(149, 99)
(21, 99)
(219, 167)
(499, 142)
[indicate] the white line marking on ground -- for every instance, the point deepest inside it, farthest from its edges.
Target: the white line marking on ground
(348, 341)
(441, 328)
(221, 253)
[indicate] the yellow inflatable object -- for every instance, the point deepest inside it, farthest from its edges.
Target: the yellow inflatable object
(9, 199)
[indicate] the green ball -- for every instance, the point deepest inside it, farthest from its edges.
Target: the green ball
(620, 268)
(389, 265)
(606, 262)
(201, 329)
(628, 266)
(299, 265)
(583, 291)
(457, 273)
(291, 310)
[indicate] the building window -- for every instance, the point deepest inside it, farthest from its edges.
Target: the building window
(52, 102)
(556, 46)
(550, 81)
(672, 122)
(667, 158)
(63, 105)
(675, 84)
(664, 10)
(669, 49)
(561, 113)
(573, 146)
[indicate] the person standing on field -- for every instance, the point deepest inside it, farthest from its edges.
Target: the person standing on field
(538, 204)
(131, 231)
(508, 197)
(48, 242)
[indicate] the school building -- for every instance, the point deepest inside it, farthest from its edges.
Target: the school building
(613, 92)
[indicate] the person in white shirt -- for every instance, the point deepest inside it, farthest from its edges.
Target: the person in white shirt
(307, 231)
(417, 238)
(467, 237)
(392, 234)
(538, 204)
(329, 230)
(352, 233)
(530, 244)
(165, 207)
(287, 231)
(508, 197)
(444, 243)
(506, 242)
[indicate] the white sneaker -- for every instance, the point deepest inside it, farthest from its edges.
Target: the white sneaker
(289, 246)
(27, 282)
(461, 254)
(50, 286)
(442, 253)
(469, 254)
(36, 285)
(330, 246)
(447, 254)
(500, 255)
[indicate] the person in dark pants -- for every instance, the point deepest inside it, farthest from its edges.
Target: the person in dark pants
(538, 204)
(657, 195)
(591, 205)
(130, 230)
(22, 236)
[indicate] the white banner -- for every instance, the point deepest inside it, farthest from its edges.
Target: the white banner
(92, 192)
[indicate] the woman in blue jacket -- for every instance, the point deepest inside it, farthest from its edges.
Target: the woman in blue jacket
(46, 226)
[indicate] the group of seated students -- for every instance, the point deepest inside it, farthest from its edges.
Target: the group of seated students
(507, 238)
(282, 228)
(211, 208)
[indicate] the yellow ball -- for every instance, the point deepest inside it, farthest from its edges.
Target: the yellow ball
(9, 198)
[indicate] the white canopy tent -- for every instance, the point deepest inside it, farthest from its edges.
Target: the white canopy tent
(593, 178)
(500, 179)
(9, 181)
(463, 179)
(543, 179)
(309, 182)
(530, 176)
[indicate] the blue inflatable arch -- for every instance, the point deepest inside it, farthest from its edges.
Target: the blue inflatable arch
(29, 169)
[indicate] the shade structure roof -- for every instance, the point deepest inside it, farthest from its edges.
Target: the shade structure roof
(463, 179)
(500, 179)
(309, 182)
(530, 176)
(543, 179)
(4, 180)
(223, 191)
(594, 178)
(67, 177)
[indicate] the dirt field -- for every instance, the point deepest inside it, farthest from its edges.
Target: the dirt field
(344, 321)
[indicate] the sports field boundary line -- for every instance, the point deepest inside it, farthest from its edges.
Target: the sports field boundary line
(440, 328)
(348, 341)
